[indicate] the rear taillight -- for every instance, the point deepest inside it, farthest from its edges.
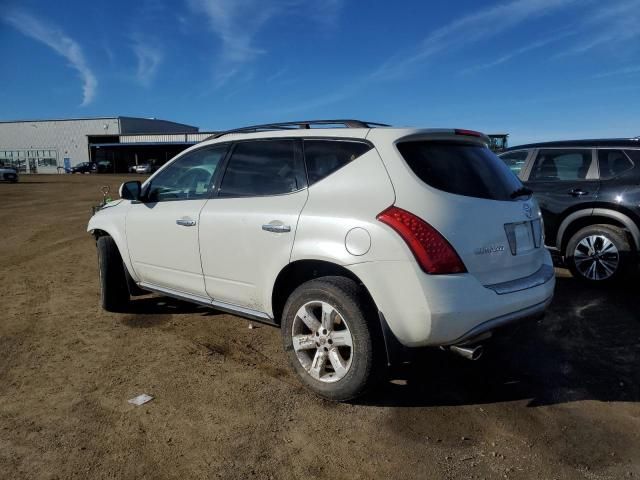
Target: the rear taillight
(468, 133)
(434, 253)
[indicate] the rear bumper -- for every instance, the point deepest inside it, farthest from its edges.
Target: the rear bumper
(532, 312)
(436, 310)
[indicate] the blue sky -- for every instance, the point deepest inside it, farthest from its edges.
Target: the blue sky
(538, 69)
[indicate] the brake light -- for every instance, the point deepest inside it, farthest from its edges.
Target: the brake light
(434, 253)
(468, 133)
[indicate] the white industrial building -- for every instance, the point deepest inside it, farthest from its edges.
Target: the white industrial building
(50, 146)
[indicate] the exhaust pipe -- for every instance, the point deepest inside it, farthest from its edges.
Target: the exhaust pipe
(470, 353)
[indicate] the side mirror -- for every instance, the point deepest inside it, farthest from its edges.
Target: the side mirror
(130, 190)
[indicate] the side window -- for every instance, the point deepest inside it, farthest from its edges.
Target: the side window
(263, 167)
(323, 157)
(515, 160)
(558, 165)
(187, 178)
(634, 155)
(612, 163)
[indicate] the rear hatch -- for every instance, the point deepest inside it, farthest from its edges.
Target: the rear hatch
(476, 203)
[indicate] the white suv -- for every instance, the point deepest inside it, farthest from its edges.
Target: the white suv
(359, 242)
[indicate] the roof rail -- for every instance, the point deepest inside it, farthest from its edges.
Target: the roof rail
(305, 124)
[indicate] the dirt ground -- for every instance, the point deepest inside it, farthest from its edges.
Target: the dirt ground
(556, 399)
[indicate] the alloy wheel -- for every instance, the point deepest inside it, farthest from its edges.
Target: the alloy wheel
(596, 257)
(322, 341)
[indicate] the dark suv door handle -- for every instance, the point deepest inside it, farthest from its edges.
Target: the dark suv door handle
(577, 192)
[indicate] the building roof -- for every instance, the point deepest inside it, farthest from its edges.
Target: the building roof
(76, 119)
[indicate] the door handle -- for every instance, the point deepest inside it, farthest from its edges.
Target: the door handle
(185, 222)
(270, 227)
(577, 192)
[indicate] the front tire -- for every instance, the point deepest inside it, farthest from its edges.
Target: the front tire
(599, 254)
(114, 294)
(328, 340)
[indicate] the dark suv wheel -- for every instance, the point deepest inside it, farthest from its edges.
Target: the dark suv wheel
(598, 253)
(328, 339)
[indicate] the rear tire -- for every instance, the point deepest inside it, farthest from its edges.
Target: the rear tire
(114, 294)
(599, 254)
(336, 352)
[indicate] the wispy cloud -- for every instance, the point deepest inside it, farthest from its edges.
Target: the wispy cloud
(467, 30)
(457, 34)
(277, 75)
(617, 23)
(619, 72)
(149, 58)
(236, 23)
(58, 41)
(519, 51)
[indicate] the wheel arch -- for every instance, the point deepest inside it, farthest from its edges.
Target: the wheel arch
(98, 231)
(300, 271)
(595, 216)
(296, 273)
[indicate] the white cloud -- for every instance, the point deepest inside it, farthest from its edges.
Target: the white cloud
(619, 72)
(149, 59)
(236, 23)
(616, 24)
(467, 30)
(519, 51)
(59, 42)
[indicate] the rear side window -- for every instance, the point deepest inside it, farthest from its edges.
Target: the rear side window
(515, 160)
(323, 157)
(263, 167)
(464, 169)
(634, 155)
(613, 163)
(557, 165)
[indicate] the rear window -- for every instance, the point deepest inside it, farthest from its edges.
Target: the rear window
(613, 163)
(463, 169)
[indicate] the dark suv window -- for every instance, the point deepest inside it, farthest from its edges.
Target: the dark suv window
(324, 157)
(634, 155)
(463, 169)
(557, 165)
(263, 167)
(515, 160)
(613, 163)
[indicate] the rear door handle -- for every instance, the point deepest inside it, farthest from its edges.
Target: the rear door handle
(270, 227)
(577, 192)
(185, 222)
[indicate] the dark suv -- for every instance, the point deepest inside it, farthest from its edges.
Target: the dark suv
(84, 167)
(589, 194)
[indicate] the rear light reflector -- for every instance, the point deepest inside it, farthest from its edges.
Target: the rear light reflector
(434, 253)
(468, 133)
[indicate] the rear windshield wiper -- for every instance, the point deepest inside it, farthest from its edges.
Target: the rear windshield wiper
(521, 192)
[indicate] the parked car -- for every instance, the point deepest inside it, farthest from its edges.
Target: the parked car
(589, 194)
(358, 242)
(84, 167)
(8, 174)
(105, 166)
(146, 168)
